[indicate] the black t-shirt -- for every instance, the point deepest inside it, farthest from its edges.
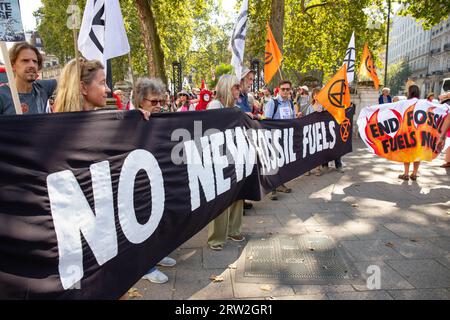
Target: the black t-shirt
(31, 103)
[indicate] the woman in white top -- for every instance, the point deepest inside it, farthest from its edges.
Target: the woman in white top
(228, 89)
(228, 224)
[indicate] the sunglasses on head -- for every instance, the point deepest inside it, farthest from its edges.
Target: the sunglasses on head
(155, 102)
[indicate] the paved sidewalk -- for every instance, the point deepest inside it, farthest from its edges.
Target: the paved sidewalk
(402, 227)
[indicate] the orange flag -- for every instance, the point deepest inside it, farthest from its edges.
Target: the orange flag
(273, 56)
(335, 96)
(367, 67)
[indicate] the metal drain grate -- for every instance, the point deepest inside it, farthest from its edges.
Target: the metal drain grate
(295, 259)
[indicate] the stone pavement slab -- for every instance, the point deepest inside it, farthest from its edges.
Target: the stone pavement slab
(423, 273)
(372, 295)
(305, 290)
(410, 230)
(370, 250)
(389, 278)
(196, 284)
(417, 248)
(220, 259)
(420, 294)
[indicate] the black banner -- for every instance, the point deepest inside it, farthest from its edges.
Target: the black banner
(90, 201)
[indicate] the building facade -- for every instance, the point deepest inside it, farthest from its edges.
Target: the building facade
(426, 51)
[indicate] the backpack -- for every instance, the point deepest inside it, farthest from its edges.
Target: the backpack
(277, 103)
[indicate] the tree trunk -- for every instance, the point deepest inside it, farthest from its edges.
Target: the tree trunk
(277, 26)
(152, 42)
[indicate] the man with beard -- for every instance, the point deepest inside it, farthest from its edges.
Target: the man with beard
(26, 61)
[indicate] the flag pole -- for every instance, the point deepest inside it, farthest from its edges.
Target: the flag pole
(11, 78)
(281, 76)
(75, 45)
(131, 68)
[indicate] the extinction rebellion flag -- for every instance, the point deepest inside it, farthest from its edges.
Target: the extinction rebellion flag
(90, 201)
(404, 131)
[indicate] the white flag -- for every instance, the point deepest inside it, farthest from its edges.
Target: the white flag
(237, 43)
(349, 59)
(102, 35)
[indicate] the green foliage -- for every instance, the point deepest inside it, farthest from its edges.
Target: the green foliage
(316, 34)
(427, 12)
(177, 20)
(52, 27)
(398, 75)
(219, 71)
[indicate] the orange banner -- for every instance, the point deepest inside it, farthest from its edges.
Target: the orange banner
(367, 67)
(273, 56)
(335, 96)
(404, 131)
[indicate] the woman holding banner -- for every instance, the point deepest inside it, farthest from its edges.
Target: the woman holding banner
(413, 92)
(149, 95)
(89, 91)
(228, 224)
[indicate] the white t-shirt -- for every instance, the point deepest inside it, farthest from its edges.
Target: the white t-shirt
(215, 104)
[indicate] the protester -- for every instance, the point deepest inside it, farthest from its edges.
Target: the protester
(119, 95)
(267, 96)
(228, 224)
(430, 97)
(149, 95)
(87, 92)
(338, 161)
(314, 106)
(183, 103)
(247, 78)
(413, 92)
(26, 61)
(385, 97)
(445, 132)
(281, 108)
(256, 107)
(304, 99)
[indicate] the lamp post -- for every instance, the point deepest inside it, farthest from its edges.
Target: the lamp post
(387, 43)
(256, 68)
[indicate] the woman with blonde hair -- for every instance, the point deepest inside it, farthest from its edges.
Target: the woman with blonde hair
(83, 93)
(83, 87)
(228, 224)
(228, 89)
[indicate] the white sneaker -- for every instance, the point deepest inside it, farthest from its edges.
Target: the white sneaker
(156, 277)
(167, 262)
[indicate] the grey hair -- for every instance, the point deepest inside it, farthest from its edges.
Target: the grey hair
(145, 86)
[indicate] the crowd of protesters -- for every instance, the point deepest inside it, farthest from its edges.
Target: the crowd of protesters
(89, 91)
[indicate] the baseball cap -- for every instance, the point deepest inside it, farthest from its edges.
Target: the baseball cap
(305, 88)
(246, 71)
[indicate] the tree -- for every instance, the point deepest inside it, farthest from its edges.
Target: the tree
(219, 71)
(398, 75)
(316, 33)
(152, 41)
(428, 12)
(174, 23)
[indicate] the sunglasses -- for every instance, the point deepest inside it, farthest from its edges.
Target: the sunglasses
(154, 103)
(285, 89)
